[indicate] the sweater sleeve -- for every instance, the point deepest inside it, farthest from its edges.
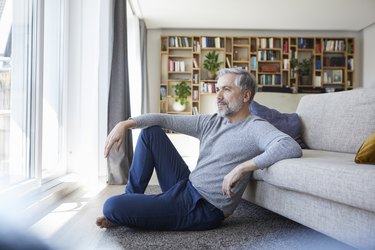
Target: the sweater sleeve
(275, 146)
(185, 124)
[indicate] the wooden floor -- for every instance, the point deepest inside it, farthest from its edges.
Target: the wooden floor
(70, 223)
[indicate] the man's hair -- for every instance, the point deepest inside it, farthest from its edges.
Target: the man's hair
(244, 79)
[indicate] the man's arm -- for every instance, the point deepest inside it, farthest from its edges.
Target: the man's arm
(185, 124)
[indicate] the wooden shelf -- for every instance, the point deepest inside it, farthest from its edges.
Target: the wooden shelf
(330, 56)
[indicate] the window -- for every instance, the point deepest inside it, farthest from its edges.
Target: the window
(31, 91)
(52, 133)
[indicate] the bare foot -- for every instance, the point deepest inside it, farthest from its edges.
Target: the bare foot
(102, 222)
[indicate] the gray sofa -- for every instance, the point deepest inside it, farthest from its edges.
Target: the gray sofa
(325, 189)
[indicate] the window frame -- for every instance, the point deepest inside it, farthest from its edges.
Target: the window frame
(34, 181)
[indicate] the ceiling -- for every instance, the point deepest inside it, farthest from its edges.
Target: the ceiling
(325, 15)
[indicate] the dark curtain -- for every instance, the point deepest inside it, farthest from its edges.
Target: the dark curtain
(143, 41)
(8, 48)
(119, 98)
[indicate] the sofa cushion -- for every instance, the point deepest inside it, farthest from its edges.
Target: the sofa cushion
(329, 175)
(366, 153)
(338, 121)
(290, 124)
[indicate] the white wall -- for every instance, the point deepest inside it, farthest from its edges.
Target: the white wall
(282, 102)
(369, 56)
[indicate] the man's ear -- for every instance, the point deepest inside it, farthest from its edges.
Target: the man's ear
(246, 95)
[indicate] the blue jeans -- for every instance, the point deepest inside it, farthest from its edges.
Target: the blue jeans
(178, 207)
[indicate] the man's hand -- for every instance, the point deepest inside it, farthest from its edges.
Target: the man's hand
(233, 177)
(116, 136)
(230, 180)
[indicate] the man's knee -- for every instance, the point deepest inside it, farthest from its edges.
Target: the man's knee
(108, 207)
(111, 207)
(152, 131)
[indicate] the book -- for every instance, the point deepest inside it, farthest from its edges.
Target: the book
(163, 93)
(217, 42)
(195, 110)
(286, 63)
(318, 64)
(195, 78)
(318, 48)
(195, 95)
(318, 81)
(204, 42)
(228, 63)
(195, 63)
(286, 47)
(263, 43)
(270, 43)
(253, 62)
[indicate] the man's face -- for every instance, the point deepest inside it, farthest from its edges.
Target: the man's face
(229, 96)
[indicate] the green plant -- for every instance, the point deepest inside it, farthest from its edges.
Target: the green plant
(293, 63)
(304, 67)
(211, 62)
(182, 91)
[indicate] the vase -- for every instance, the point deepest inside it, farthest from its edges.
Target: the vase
(178, 107)
(305, 80)
(211, 75)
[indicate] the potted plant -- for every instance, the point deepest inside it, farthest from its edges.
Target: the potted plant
(182, 91)
(211, 64)
(304, 71)
(293, 66)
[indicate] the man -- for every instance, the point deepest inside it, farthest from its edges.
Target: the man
(233, 143)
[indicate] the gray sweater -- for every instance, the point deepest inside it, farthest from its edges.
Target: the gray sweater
(223, 146)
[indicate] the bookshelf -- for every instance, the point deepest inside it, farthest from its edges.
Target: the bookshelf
(268, 58)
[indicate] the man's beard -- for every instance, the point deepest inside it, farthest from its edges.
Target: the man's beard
(229, 109)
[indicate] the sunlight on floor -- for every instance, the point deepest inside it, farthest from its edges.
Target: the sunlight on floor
(65, 212)
(52, 222)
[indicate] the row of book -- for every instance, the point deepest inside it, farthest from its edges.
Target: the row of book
(333, 77)
(268, 43)
(350, 46)
(269, 79)
(164, 95)
(264, 43)
(176, 66)
(212, 42)
(196, 46)
(305, 43)
(179, 41)
(268, 55)
(334, 45)
(208, 87)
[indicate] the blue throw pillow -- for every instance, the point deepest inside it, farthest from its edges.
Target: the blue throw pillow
(290, 124)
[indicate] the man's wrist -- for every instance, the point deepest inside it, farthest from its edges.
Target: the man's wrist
(129, 124)
(247, 166)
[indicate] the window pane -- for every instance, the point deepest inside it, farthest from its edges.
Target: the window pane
(15, 90)
(52, 89)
